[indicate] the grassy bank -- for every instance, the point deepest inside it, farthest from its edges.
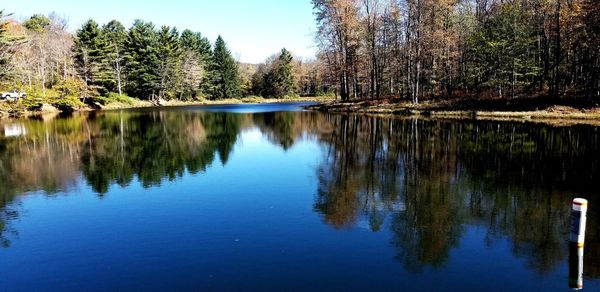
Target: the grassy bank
(28, 107)
(547, 110)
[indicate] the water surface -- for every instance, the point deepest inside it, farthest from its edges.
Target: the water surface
(270, 197)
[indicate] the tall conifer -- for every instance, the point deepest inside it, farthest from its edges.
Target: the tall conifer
(224, 78)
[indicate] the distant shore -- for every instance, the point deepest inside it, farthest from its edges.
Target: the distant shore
(8, 110)
(553, 111)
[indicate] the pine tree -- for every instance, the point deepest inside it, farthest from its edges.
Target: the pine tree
(195, 42)
(223, 80)
(37, 22)
(143, 61)
(115, 36)
(170, 56)
(283, 76)
(90, 57)
(197, 56)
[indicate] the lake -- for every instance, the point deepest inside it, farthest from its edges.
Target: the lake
(272, 197)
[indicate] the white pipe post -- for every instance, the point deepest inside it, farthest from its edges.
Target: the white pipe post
(575, 267)
(578, 220)
(577, 241)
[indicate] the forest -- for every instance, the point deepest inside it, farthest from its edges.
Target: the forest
(417, 49)
(410, 50)
(107, 62)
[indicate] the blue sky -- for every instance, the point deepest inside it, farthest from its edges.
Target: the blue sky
(253, 29)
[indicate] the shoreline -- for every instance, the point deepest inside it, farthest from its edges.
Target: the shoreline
(553, 114)
(48, 109)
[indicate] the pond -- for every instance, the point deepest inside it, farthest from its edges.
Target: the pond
(272, 197)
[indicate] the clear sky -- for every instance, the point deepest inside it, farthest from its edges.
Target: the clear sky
(253, 29)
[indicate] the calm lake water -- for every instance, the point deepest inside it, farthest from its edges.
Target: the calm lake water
(269, 197)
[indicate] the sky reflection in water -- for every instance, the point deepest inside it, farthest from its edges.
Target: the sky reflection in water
(268, 197)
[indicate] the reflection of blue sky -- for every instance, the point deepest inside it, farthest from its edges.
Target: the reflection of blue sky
(252, 108)
(248, 223)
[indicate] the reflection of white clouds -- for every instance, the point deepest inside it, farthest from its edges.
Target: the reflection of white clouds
(251, 136)
(14, 130)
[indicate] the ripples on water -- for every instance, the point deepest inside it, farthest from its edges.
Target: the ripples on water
(269, 197)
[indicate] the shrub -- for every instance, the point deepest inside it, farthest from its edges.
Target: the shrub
(115, 98)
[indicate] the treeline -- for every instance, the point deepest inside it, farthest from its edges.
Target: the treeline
(40, 56)
(283, 75)
(444, 48)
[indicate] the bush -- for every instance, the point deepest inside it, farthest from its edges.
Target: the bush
(66, 96)
(115, 98)
(36, 97)
(252, 99)
(69, 95)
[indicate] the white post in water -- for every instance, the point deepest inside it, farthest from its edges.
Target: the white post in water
(578, 219)
(575, 267)
(577, 240)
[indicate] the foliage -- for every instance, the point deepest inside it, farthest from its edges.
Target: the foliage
(276, 78)
(170, 54)
(116, 98)
(196, 58)
(115, 36)
(367, 49)
(223, 79)
(142, 57)
(37, 23)
(440, 48)
(90, 57)
(66, 96)
(4, 44)
(142, 61)
(283, 75)
(500, 50)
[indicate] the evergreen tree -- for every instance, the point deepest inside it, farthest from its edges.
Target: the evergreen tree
(223, 80)
(197, 56)
(115, 35)
(90, 57)
(37, 23)
(195, 42)
(170, 56)
(143, 80)
(283, 77)
(275, 78)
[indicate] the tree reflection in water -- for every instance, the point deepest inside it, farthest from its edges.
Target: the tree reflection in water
(435, 177)
(425, 180)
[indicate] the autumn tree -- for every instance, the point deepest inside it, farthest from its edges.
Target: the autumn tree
(43, 55)
(588, 47)
(5, 42)
(338, 37)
